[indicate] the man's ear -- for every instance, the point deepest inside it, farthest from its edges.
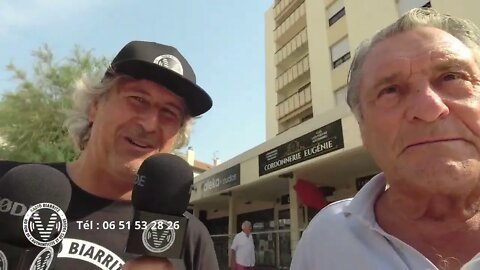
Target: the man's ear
(361, 125)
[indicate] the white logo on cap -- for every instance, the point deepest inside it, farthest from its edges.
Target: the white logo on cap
(3, 261)
(169, 61)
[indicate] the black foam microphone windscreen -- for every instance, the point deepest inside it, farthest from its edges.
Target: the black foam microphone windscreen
(160, 197)
(21, 188)
(163, 185)
(24, 186)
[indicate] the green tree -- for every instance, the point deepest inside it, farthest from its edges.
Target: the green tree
(32, 115)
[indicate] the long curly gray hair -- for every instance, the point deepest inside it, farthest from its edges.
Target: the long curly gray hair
(86, 92)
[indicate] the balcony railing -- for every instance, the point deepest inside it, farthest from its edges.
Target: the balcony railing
(288, 28)
(294, 102)
(283, 7)
(292, 48)
(291, 75)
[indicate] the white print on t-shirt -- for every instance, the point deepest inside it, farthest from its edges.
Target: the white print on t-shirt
(91, 253)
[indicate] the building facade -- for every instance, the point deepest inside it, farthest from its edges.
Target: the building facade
(198, 167)
(313, 142)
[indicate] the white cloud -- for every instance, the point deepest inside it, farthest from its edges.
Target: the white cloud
(21, 14)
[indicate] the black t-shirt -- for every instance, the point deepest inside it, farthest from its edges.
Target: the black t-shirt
(94, 239)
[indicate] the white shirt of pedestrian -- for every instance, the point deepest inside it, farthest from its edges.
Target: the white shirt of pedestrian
(244, 249)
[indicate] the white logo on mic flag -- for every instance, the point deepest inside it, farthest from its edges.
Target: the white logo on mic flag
(45, 225)
(43, 259)
(158, 237)
(45, 231)
(3, 261)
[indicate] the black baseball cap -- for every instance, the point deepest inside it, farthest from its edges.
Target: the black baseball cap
(164, 65)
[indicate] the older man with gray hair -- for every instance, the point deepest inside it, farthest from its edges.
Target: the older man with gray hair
(415, 91)
(242, 251)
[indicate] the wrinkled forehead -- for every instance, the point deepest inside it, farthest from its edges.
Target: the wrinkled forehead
(423, 63)
(415, 51)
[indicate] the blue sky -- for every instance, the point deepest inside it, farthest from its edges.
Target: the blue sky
(223, 41)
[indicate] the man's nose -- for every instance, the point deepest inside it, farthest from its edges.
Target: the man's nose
(426, 103)
(149, 121)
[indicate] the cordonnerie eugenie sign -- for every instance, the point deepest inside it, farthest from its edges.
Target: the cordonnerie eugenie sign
(316, 143)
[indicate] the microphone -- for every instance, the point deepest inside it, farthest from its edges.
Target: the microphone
(33, 200)
(160, 197)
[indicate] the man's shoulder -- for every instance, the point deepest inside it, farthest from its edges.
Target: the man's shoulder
(333, 210)
(327, 232)
(330, 219)
(195, 226)
(192, 219)
(237, 236)
(200, 252)
(6, 165)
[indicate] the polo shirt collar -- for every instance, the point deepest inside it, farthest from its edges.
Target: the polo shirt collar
(362, 206)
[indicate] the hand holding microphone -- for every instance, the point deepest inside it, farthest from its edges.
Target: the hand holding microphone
(160, 197)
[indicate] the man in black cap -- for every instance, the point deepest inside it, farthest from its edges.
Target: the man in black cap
(144, 105)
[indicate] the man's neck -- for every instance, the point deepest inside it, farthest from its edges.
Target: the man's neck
(438, 226)
(425, 207)
(93, 178)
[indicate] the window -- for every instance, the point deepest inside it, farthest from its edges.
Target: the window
(341, 60)
(336, 17)
(335, 11)
(340, 52)
(406, 5)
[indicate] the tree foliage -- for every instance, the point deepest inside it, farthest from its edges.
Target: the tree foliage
(32, 115)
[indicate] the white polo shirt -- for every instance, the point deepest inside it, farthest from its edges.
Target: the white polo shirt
(345, 235)
(244, 249)
(473, 264)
